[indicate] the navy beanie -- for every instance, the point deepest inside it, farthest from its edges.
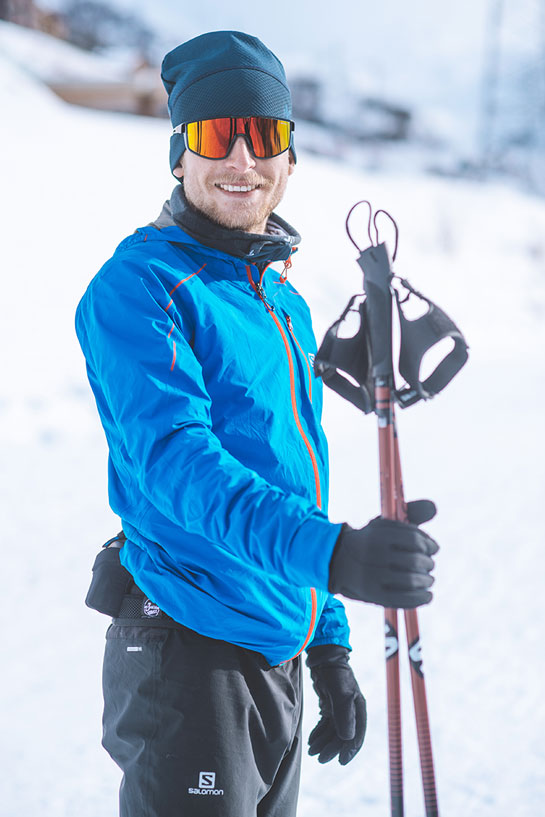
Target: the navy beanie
(222, 73)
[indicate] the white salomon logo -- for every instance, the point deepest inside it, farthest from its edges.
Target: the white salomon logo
(207, 780)
(207, 784)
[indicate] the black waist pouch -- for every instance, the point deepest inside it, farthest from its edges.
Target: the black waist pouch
(110, 581)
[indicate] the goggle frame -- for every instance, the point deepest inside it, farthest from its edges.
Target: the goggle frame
(182, 129)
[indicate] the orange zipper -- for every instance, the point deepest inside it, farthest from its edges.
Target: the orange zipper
(306, 441)
(296, 413)
(292, 390)
(312, 622)
(290, 327)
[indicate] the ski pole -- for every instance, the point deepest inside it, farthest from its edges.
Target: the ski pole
(360, 369)
(377, 286)
(415, 659)
(387, 468)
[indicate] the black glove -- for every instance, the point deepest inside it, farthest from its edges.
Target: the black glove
(386, 562)
(343, 721)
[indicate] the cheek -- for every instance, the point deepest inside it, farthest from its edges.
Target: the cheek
(195, 182)
(282, 179)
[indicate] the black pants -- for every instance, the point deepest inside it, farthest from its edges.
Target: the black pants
(199, 726)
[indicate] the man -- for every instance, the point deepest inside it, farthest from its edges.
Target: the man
(199, 358)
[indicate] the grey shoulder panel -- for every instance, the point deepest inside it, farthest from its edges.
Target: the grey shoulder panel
(164, 219)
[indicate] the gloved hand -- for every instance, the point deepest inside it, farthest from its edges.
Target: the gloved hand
(386, 562)
(343, 721)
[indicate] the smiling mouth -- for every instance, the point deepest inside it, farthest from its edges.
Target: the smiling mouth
(238, 188)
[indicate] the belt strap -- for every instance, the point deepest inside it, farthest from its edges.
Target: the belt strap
(137, 606)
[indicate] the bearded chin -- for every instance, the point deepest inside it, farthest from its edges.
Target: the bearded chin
(249, 219)
(247, 214)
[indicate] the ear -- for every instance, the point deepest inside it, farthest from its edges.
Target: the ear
(179, 170)
(291, 165)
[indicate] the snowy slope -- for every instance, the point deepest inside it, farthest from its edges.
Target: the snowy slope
(74, 183)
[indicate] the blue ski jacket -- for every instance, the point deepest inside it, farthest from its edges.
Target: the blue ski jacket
(201, 367)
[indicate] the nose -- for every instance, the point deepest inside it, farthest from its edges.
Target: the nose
(240, 157)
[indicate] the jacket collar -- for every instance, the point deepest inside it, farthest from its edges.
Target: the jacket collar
(276, 245)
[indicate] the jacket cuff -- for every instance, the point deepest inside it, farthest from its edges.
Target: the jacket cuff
(327, 654)
(312, 547)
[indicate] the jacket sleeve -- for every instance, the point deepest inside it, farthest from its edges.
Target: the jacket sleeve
(144, 372)
(332, 627)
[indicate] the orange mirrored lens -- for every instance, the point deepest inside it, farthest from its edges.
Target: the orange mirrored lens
(269, 137)
(213, 138)
(210, 137)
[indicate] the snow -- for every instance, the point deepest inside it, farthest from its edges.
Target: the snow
(75, 182)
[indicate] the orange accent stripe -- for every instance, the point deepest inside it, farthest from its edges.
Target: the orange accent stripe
(173, 355)
(250, 279)
(306, 361)
(312, 622)
(183, 282)
(171, 330)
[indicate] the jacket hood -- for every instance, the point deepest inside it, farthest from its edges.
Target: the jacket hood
(276, 244)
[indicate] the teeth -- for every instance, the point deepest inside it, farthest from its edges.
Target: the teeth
(235, 188)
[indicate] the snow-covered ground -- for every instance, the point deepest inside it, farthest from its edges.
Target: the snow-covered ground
(75, 182)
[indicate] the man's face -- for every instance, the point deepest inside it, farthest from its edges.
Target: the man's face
(206, 183)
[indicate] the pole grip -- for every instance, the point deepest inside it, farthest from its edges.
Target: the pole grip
(377, 276)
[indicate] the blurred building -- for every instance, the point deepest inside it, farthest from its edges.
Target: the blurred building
(379, 119)
(367, 117)
(119, 81)
(27, 13)
(306, 93)
(22, 12)
(139, 91)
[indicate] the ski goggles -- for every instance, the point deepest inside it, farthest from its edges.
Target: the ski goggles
(214, 138)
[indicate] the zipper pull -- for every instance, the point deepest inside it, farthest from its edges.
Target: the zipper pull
(284, 273)
(288, 321)
(263, 295)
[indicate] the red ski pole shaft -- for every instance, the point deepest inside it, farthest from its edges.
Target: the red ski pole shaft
(421, 714)
(415, 659)
(387, 464)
